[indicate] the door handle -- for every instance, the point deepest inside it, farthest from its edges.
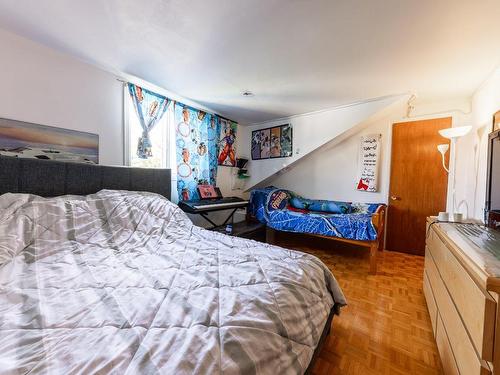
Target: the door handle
(394, 198)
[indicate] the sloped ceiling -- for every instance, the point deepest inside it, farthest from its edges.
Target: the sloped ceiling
(295, 55)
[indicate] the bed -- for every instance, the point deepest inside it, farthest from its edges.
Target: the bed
(361, 224)
(101, 279)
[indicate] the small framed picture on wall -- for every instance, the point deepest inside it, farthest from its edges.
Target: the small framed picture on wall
(273, 142)
(275, 151)
(286, 141)
(255, 145)
(265, 143)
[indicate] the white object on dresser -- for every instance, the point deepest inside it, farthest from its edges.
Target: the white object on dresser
(461, 287)
(443, 216)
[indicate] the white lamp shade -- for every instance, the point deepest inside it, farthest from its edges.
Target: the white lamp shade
(443, 148)
(455, 132)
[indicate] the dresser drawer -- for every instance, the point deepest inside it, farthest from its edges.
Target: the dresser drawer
(431, 304)
(468, 362)
(445, 352)
(476, 307)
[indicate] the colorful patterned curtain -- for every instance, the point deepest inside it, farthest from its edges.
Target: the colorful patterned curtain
(150, 108)
(197, 134)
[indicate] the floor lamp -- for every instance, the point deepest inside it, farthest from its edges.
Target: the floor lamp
(452, 134)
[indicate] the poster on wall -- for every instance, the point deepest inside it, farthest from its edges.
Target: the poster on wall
(286, 141)
(275, 151)
(265, 143)
(255, 145)
(369, 155)
(227, 140)
(274, 142)
(27, 140)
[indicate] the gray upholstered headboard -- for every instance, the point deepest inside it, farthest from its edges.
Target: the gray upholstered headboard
(49, 178)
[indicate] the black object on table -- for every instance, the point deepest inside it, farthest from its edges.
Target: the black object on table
(204, 206)
(246, 229)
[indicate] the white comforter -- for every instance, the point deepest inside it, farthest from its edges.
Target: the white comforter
(122, 282)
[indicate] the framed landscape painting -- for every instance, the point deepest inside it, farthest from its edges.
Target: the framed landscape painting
(26, 140)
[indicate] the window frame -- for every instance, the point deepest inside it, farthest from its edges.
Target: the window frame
(127, 146)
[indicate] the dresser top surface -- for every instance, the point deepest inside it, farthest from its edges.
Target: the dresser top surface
(479, 250)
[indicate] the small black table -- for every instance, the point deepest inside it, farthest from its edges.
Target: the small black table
(246, 229)
(204, 206)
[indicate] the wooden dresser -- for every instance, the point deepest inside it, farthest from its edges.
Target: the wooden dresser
(462, 287)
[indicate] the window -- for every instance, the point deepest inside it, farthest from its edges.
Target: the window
(159, 137)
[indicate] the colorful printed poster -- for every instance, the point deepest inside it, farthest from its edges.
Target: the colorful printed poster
(255, 145)
(227, 147)
(265, 143)
(276, 142)
(286, 141)
(196, 152)
(369, 152)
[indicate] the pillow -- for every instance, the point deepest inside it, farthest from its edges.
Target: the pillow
(321, 205)
(364, 208)
(277, 200)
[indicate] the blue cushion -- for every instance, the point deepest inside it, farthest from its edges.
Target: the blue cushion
(321, 205)
(277, 200)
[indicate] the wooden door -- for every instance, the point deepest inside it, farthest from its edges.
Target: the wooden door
(418, 183)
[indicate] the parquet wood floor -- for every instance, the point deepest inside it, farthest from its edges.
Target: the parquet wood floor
(386, 328)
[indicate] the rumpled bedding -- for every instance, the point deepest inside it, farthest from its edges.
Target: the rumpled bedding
(271, 206)
(123, 283)
(350, 226)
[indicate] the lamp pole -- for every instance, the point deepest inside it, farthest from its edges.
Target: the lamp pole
(453, 160)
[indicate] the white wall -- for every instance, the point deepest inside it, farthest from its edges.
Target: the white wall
(43, 86)
(473, 148)
(310, 132)
(485, 102)
(331, 172)
(46, 87)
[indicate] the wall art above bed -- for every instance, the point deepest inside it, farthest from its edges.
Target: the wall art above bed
(368, 163)
(27, 140)
(274, 142)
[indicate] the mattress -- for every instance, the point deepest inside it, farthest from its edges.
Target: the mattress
(355, 226)
(271, 206)
(123, 283)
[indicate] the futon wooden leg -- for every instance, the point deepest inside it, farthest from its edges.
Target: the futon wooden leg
(381, 244)
(270, 235)
(373, 258)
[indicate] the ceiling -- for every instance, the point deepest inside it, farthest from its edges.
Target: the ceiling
(296, 56)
